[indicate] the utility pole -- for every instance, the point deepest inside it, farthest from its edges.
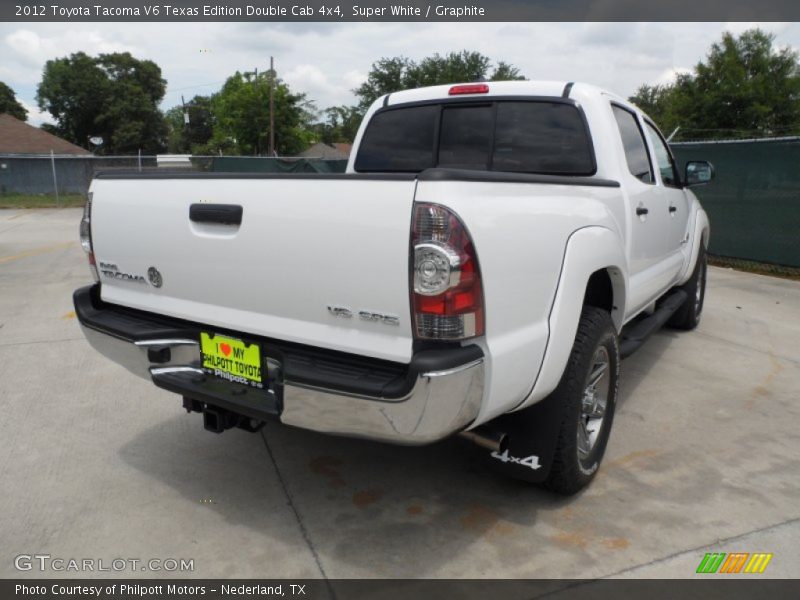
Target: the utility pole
(258, 148)
(185, 135)
(55, 179)
(271, 106)
(185, 112)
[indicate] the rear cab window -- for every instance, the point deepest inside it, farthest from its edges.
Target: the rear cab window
(521, 136)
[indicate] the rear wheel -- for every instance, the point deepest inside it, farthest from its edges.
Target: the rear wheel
(688, 315)
(587, 395)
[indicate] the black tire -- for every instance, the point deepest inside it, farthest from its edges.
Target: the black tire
(573, 468)
(688, 315)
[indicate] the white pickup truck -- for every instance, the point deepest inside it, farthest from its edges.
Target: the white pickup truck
(491, 253)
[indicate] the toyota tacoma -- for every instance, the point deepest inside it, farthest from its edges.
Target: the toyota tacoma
(490, 254)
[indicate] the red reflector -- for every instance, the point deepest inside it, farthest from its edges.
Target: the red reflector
(472, 88)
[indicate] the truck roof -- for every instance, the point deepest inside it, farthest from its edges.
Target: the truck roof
(501, 88)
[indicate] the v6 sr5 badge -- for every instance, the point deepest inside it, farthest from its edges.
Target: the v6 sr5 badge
(364, 315)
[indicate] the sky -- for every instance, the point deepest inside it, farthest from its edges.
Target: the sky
(328, 60)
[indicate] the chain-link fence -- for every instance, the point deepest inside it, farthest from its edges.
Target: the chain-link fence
(34, 175)
(754, 201)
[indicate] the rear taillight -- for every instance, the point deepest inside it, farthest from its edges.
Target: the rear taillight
(446, 294)
(86, 236)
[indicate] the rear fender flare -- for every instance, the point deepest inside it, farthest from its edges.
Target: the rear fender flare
(588, 250)
(702, 231)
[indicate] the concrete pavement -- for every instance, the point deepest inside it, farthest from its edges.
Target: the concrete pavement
(96, 463)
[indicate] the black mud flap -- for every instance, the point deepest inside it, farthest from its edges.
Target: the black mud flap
(532, 434)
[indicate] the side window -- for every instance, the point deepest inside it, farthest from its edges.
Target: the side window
(669, 174)
(634, 144)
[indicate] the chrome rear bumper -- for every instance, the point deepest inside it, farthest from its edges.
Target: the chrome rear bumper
(439, 404)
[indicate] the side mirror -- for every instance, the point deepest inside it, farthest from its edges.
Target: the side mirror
(698, 172)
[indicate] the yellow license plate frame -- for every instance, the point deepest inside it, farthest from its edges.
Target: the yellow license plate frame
(231, 359)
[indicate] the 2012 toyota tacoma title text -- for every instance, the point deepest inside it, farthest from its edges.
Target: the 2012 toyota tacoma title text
(491, 253)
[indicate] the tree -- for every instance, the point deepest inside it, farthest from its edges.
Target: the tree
(745, 88)
(113, 96)
(73, 90)
(455, 67)
(177, 142)
(10, 105)
(386, 75)
(654, 100)
(192, 137)
(506, 72)
(341, 125)
(399, 73)
(241, 117)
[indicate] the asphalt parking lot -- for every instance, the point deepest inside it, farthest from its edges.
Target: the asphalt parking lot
(95, 463)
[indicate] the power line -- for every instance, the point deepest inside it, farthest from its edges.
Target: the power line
(191, 87)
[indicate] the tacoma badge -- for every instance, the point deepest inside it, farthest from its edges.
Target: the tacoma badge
(155, 277)
(112, 271)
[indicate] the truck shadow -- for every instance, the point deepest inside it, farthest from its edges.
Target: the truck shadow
(376, 510)
(635, 369)
(369, 509)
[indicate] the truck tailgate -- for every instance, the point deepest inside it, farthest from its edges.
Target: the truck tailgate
(303, 244)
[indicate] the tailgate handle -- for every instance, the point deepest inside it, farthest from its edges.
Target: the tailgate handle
(227, 214)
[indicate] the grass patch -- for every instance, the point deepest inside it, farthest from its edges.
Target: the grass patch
(749, 266)
(41, 201)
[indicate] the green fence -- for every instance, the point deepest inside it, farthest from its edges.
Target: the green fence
(754, 202)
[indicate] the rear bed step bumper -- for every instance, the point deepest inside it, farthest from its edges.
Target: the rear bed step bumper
(438, 394)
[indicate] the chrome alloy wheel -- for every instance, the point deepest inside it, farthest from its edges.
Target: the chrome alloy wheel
(594, 402)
